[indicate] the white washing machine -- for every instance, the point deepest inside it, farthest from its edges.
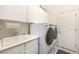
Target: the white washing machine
(41, 31)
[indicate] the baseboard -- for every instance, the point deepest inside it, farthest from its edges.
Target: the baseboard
(67, 50)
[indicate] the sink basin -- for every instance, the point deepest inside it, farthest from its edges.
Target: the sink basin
(12, 40)
(29, 36)
(16, 39)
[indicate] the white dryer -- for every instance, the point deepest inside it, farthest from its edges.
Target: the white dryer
(41, 31)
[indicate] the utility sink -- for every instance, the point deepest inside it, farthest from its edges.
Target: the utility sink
(15, 40)
(12, 40)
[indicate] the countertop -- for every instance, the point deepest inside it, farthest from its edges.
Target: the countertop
(16, 40)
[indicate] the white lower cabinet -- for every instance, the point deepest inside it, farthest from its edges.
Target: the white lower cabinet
(30, 44)
(30, 47)
(32, 50)
(14, 50)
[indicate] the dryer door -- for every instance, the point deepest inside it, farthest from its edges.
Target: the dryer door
(49, 36)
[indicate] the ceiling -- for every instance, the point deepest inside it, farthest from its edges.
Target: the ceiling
(54, 9)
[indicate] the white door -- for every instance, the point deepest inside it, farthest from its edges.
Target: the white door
(67, 30)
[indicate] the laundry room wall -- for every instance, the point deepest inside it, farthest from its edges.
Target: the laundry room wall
(52, 19)
(54, 11)
(9, 30)
(23, 29)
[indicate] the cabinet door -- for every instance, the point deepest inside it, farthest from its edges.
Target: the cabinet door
(33, 13)
(67, 30)
(14, 13)
(30, 44)
(36, 14)
(43, 16)
(31, 47)
(14, 50)
(32, 50)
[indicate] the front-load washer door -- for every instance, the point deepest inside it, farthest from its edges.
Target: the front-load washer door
(50, 36)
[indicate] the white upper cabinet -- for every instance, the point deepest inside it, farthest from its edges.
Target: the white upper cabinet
(43, 16)
(37, 14)
(29, 13)
(13, 13)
